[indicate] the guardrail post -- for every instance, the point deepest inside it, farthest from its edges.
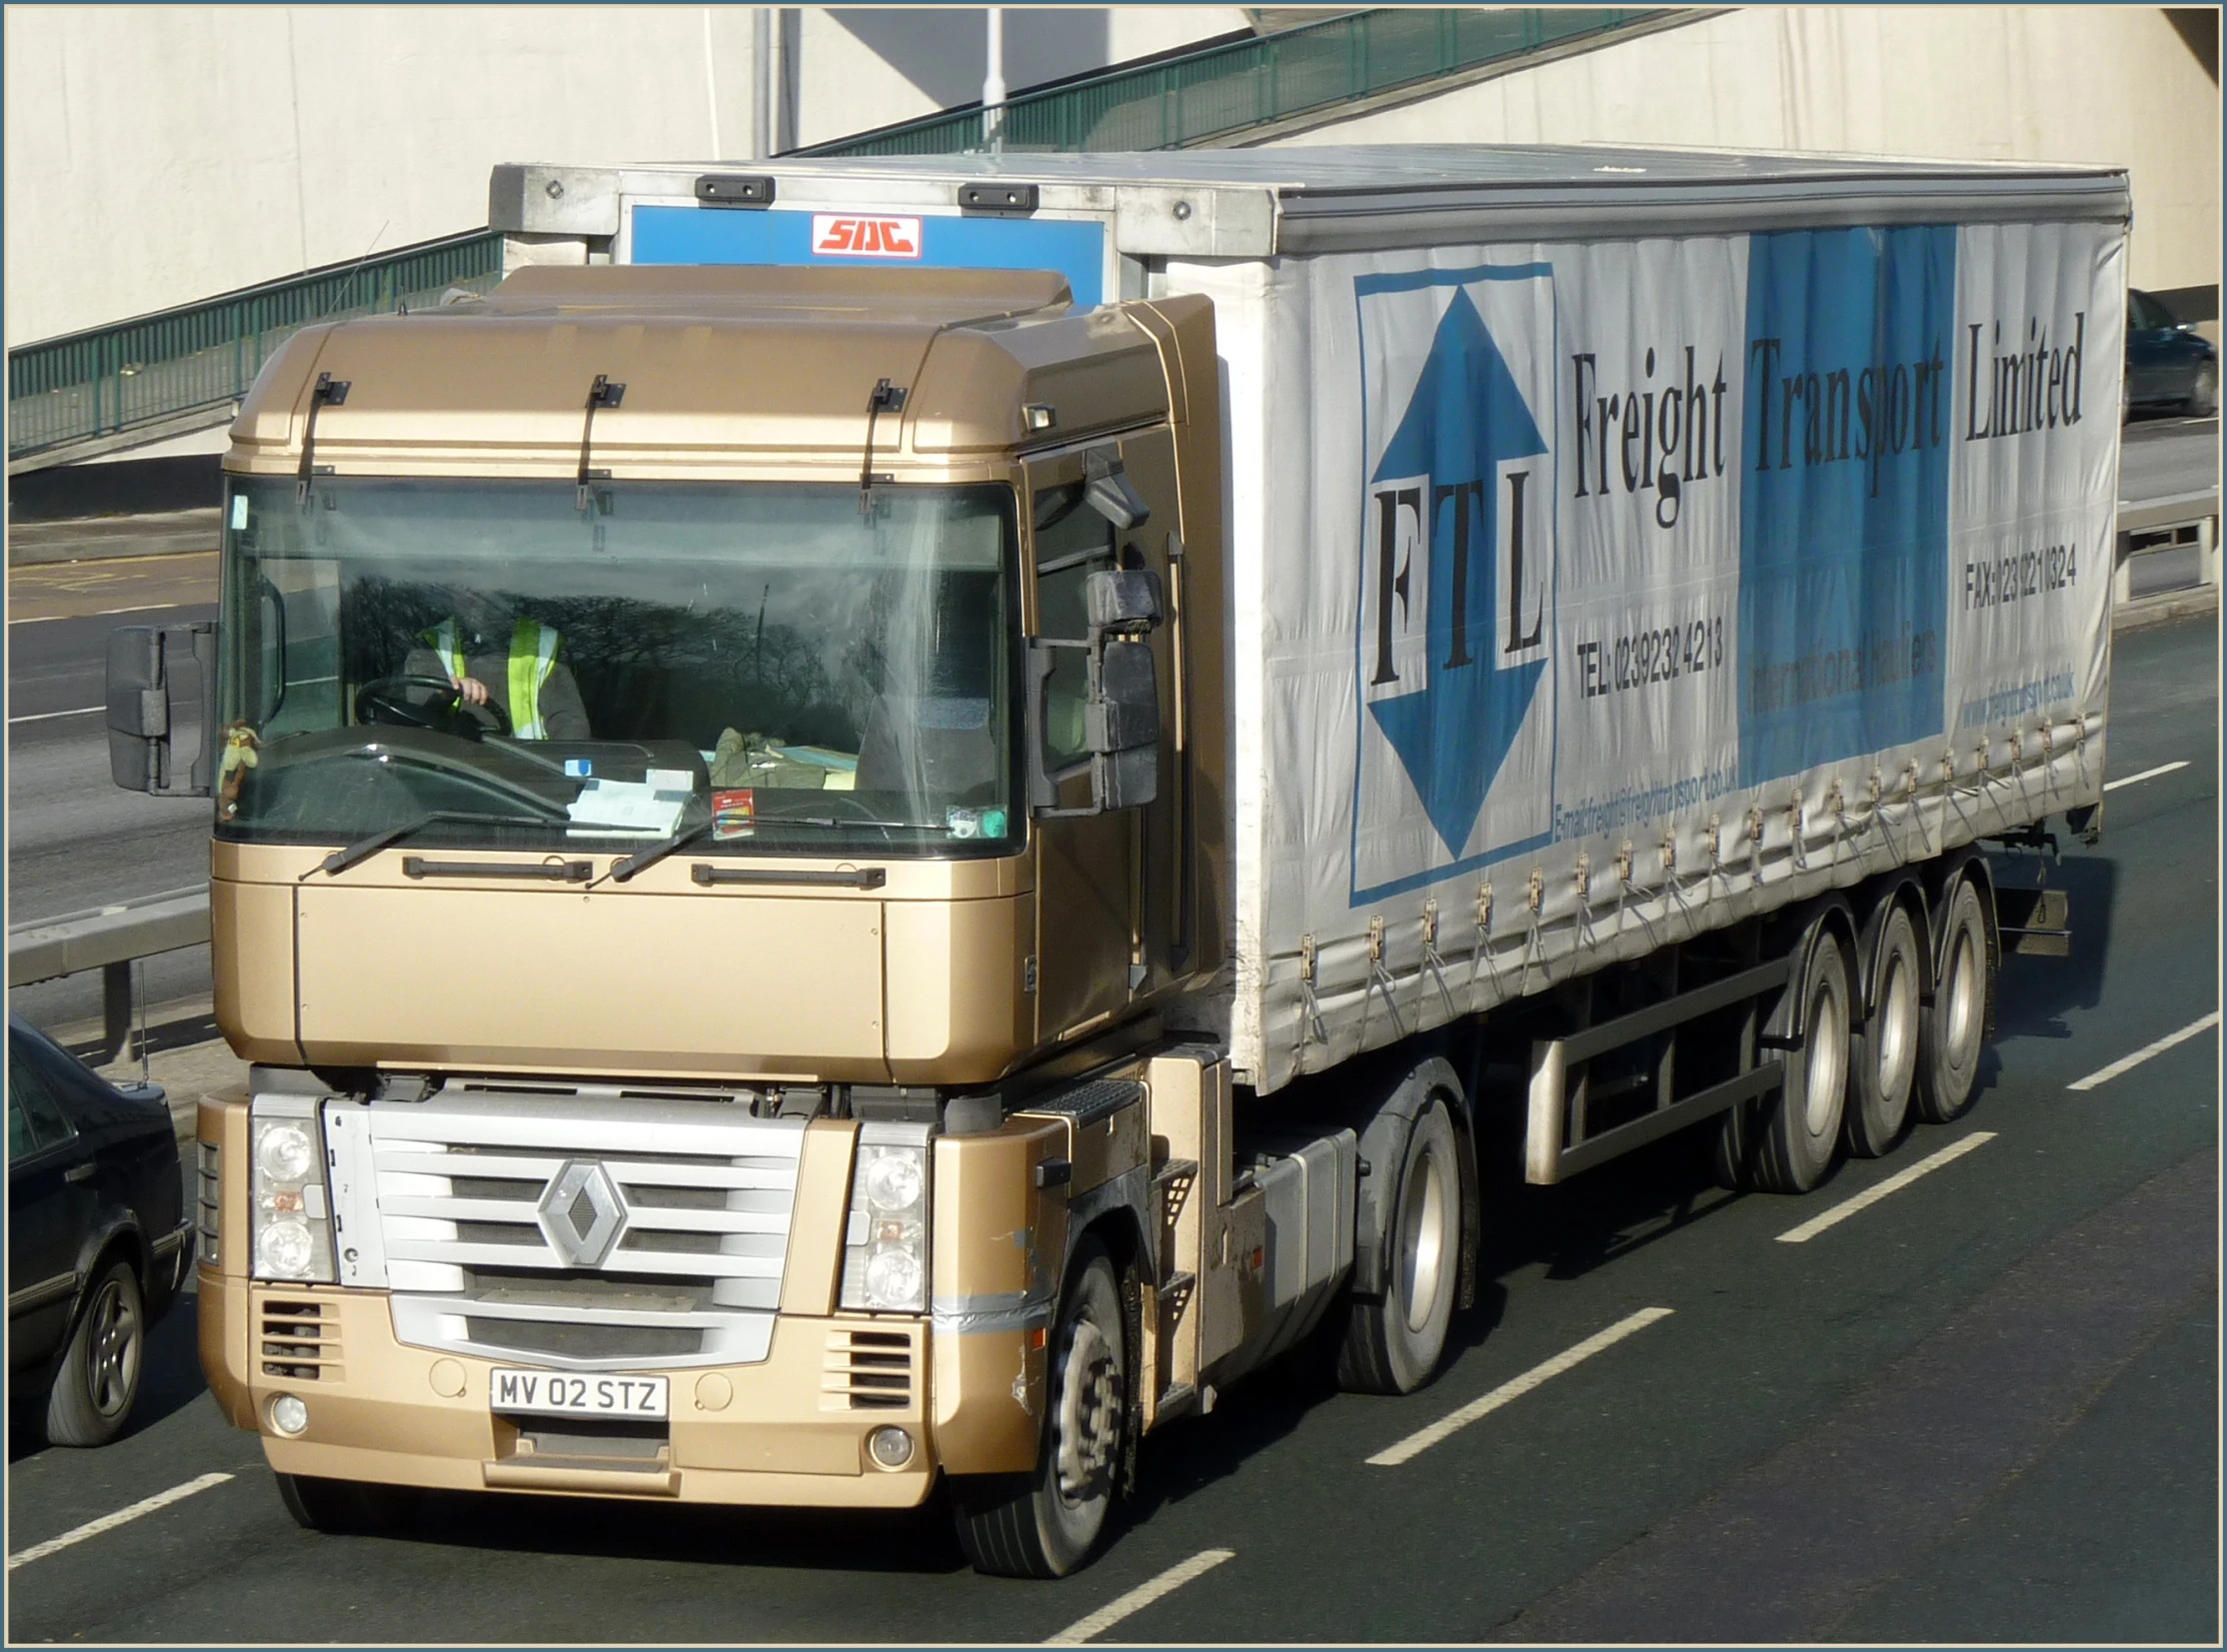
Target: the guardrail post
(116, 1010)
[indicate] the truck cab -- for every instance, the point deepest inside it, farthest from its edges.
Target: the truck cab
(717, 786)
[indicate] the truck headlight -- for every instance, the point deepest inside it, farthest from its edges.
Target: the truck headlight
(884, 1259)
(293, 1232)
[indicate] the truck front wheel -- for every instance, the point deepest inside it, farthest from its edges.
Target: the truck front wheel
(1046, 1524)
(344, 1507)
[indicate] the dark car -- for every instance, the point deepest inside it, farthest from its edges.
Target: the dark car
(98, 1238)
(2170, 367)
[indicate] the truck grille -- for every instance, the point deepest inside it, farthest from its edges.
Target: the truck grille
(301, 1340)
(866, 1371)
(584, 1229)
(209, 1204)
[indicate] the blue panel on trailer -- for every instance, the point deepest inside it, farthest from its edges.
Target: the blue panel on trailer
(726, 235)
(1844, 511)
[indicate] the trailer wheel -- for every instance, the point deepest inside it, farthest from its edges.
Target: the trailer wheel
(1804, 1127)
(1953, 1028)
(344, 1507)
(1394, 1342)
(1883, 1048)
(1045, 1523)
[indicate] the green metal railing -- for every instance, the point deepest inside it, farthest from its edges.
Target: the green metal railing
(140, 372)
(1225, 90)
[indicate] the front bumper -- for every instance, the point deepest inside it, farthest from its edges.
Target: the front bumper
(789, 1431)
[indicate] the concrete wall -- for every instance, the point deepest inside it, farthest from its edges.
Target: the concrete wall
(918, 59)
(2117, 84)
(160, 154)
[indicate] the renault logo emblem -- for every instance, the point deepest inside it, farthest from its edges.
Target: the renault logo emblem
(582, 1213)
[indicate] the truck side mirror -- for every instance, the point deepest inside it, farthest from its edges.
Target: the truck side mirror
(1123, 713)
(138, 697)
(1123, 721)
(1122, 600)
(1120, 727)
(1110, 493)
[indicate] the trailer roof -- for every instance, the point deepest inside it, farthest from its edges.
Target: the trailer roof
(1326, 198)
(1373, 168)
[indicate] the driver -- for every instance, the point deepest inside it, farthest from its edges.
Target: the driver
(517, 663)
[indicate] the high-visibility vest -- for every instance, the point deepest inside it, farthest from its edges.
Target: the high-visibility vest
(532, 658)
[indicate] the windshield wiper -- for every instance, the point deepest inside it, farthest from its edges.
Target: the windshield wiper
(830, 822)
(642, 859)
(342, 859)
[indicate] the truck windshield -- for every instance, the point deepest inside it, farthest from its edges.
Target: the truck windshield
(769, 669)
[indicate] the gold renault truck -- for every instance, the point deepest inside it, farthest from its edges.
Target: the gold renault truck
(883, 822)
(697, 909)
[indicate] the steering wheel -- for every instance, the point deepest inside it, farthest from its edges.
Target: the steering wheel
(381, 701)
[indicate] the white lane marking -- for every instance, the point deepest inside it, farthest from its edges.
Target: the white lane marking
(1893, 1184)
(1106, 1616)
(2146, 774)
(1516, 1388)
(99, 614)
(2126, 1063)
(45, 716)
(108, 1522)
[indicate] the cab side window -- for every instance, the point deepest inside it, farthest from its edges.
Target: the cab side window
(35, 1117)
(1073, 542)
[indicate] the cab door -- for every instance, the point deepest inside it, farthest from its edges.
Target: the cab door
(1107, 918)
(1159, 840)
(1085, 863)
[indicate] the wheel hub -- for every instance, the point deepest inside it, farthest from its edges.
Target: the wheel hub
(1089, 1414)
(1422, 1239)
(115, 1352)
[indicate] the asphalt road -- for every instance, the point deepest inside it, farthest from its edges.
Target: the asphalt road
(1981, 1409)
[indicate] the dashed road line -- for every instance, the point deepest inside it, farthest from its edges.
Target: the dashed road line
(2146, 774)
(1106, 1616)
(2127, 1063)
(1516, 1388)
(1893, 1184)
(108, 1522)
(48, 716)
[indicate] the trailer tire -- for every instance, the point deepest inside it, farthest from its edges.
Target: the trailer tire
(346, 1508)
(1883, 1047)
(1394, 1340)
(1045, 1523)
(1953, 1029)
(1804, 1126)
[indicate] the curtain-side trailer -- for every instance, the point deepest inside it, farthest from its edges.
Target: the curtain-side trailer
(888, 820)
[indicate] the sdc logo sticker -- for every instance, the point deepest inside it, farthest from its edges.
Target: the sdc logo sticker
(847, 235)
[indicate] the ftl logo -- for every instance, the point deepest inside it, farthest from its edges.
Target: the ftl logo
(845, 236)
(1456, 571)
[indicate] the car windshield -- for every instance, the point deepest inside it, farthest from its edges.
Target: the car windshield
(767, 668)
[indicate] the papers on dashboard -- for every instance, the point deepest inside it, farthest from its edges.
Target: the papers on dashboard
(650, 808)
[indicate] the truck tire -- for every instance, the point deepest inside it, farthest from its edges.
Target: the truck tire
(98, 1382)
(1394, 1343)
(1953, 1029)
(344, 1507)
(1883, 1047)
(1804, 1126)
(1045, 1523)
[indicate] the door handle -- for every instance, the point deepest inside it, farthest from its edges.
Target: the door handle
(79, 1172)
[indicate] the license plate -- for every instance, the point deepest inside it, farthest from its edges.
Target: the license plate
(561, 1394)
